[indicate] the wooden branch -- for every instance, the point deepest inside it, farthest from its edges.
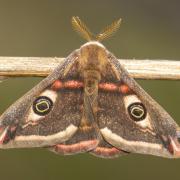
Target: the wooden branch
(42, 66)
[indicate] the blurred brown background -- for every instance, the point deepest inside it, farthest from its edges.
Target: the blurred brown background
(150, 29)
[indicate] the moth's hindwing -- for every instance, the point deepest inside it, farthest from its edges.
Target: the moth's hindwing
(48, 114)
(106, 150)
(85, 139)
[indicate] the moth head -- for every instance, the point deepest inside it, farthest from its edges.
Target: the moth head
(93, 57)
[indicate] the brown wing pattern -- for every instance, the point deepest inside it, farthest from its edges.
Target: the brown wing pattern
(48, 114)
(90, 104)
(130, 119)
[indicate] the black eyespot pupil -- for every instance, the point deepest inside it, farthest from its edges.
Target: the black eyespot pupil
(137, 111)
(42, 105)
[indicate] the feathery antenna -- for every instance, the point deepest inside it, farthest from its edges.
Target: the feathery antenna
(83, 30)
(109, 30)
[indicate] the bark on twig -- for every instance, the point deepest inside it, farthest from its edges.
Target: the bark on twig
(42, 66)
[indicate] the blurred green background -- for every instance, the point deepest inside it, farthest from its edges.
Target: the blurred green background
(150, 29)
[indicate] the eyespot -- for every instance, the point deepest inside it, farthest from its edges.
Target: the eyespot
(42, 105)
(137, 111)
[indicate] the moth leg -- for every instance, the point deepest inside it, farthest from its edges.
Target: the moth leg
(106, 150)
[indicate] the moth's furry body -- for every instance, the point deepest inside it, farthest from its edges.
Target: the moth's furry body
(90, 104)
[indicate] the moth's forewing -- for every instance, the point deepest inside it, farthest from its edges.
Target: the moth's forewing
(22, 126)
(155, 133)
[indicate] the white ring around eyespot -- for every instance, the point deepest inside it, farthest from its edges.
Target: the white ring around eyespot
(35, 117)
(135, 114)
(130, 99)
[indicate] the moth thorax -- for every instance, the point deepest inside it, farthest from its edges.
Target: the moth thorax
(91, 80)
(93, 56)
(92, 74)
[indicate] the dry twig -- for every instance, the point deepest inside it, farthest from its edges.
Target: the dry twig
(42, 66)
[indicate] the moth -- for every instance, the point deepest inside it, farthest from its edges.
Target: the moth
(89, 103)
